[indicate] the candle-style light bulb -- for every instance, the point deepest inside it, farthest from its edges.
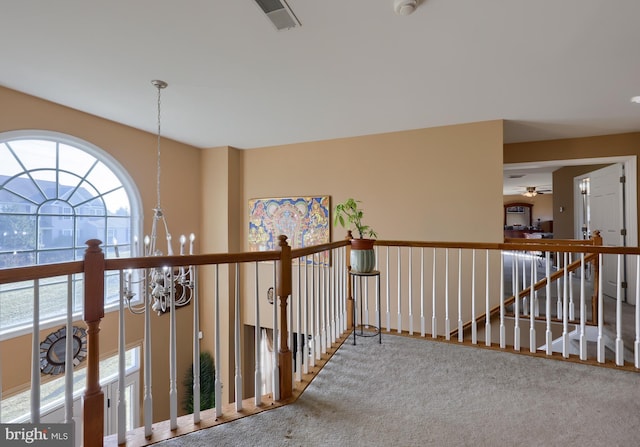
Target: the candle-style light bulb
(192, 237)
(169, 248)
(183, 239)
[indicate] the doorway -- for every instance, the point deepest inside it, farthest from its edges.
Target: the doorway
(628, 209)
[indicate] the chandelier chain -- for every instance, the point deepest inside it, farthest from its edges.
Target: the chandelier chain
(160, 87)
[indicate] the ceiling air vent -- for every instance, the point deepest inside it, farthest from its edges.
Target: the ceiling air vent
(279, 13)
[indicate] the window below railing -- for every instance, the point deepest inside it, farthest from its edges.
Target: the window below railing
(16, 408)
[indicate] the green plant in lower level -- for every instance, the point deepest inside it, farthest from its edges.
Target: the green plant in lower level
(207, 385)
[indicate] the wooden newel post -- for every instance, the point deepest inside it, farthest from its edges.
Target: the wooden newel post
(349, 291)
(597, 241)
(285, 357)
(93, 399)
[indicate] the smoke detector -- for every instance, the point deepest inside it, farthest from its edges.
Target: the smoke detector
(404, 7)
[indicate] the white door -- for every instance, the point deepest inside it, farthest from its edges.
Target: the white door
(110, 391)
(57, 415)
(607, 208)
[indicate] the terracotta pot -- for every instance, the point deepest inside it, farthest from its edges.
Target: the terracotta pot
(363, 257)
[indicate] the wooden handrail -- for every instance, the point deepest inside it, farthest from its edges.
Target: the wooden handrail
(306, 251)
(180, 260)
(40, 271)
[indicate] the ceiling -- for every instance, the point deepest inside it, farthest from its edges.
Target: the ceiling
(551, 69)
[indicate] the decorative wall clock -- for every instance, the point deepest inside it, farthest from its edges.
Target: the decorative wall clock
(53, 350)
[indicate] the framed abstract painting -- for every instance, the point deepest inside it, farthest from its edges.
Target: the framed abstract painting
(304, 220)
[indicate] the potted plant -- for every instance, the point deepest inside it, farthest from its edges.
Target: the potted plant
(207, 384)
(362, 257)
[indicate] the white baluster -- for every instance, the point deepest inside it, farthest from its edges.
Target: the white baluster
(619, 341)
(565, 312)
(637, 341)
(317, 310)
(600, 312)
(514, 260)
(516, 329)
(299, 324)
(68, 368)
(532, 319)
(289, 311)
(460, 332)
(474, 323)
(524, 284)
(447, 322)
(534, 281)
(503, 339)
(423, 328)
(572, 313)
(147, 401)
(583, 317)
(548, 334)
(257, 380)
(121, 405)
(399, 290)
(218, 353)
(410, 290)
(312, 306)
(237, 340)
(388, 288)
(559, 289)
(331, 337)
(306, 320)
(378, 312)
(193, 277)
(487, 318)
(322, 304)
(173, 362)
(276, 338)
(35, 355)
(434, 320)
(343, 287)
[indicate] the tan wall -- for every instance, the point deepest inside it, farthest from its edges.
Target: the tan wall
(181, 191)
(414, 185)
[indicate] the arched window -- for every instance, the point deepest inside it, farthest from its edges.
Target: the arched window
(57, 192)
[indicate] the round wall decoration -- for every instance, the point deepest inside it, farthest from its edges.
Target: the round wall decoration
(53, 350)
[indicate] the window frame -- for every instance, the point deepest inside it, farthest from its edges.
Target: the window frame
(128, 185)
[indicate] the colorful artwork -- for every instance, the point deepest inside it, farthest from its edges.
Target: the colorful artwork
(304, 220)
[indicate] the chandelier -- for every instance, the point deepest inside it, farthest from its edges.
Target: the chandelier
(162, 284)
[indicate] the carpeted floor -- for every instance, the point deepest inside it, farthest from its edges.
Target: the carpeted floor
(409, 392)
